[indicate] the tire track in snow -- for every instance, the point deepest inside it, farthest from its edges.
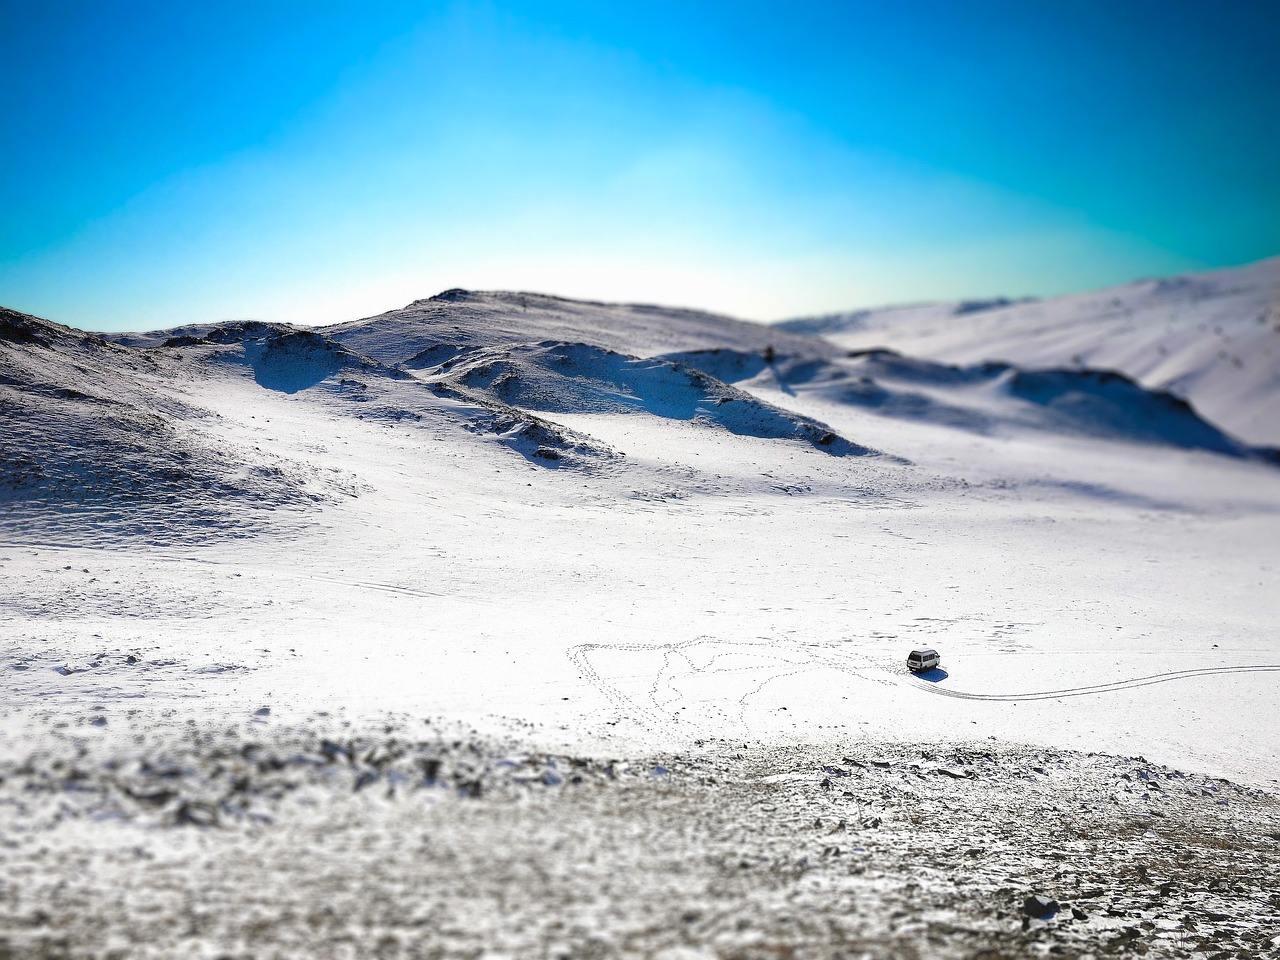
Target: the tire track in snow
(579, 654)
(656, 715)
(647, 714)
(1098, 688)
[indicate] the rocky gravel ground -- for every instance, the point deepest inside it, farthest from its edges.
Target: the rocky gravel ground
(249, 841)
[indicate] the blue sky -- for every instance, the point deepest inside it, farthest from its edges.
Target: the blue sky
(312, 162)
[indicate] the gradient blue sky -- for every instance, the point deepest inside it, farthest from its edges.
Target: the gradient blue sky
(168, 163)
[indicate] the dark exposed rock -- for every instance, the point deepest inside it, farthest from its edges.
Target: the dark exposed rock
(1039, 906)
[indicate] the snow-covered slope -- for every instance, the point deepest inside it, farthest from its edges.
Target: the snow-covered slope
(629, 527)
(1212, 338)
(575, 378)
(284, 607)
(98, 434)
(988, 397)
(463, 318)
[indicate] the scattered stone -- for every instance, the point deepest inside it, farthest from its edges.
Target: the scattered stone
(195, 814)
(474, 813)
(1039, 906)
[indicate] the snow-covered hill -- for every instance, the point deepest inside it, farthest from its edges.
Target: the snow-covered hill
(652, 494)
(1212, 338)
(466, 318)
(601, 531)
(155, 435)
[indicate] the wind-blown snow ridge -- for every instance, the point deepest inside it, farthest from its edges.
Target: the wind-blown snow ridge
(1212, 339)
(558, 377)
(470, 319)
(983, 397)
(562, 356)
(91, 436)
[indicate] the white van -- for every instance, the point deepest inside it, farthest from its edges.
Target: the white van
(921, 661)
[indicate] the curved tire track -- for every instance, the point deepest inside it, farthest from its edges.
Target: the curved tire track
(1100, 687)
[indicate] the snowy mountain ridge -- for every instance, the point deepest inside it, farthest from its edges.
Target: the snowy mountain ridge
(1211, 338)
(96, 419)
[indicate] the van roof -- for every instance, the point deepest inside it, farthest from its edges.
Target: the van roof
(926, 652)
